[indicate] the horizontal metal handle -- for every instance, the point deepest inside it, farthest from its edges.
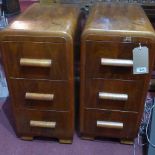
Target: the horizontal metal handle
(116, 62)
(113, 96)
(35, 62)
(38, 96)
(107, 124)
(42, 124)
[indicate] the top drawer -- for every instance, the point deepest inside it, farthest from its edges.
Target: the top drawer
(111, 60)
(36, 60)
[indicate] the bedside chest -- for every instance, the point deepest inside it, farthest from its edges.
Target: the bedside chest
(112, 95)
(37, 50)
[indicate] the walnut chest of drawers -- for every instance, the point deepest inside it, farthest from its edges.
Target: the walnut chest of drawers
(112, 97)
(37, 51)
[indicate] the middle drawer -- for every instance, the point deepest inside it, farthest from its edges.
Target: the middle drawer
(113, 94)
(40, 94)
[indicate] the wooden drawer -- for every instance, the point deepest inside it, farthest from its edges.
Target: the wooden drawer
(110, 60)
(114, 94)
(109, 124)
(36, 60)
(44, 123)
(40, 94)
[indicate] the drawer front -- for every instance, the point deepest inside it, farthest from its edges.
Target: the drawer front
(44, 123)
(40, 94)
(36, 60)
(110, 60)
(114, 94)
(110, 124)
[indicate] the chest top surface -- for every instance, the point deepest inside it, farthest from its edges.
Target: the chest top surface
(45, 20)
(118, 19)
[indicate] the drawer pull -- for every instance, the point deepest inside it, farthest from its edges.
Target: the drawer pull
(107, 124)
(42, 124)
(112, 96)
(35, 62)
(116, 62)
(38, 96)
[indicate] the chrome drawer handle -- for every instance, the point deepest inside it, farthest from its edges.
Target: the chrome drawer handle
(35, 62)
(116, 62)
(107, 124)
(38, 96)
(42, 124)
(113, 96)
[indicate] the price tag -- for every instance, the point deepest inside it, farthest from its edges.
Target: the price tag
(140, 60)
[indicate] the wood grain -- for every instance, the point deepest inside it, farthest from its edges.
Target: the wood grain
(37, 51)
(111, 32)
(59, 100)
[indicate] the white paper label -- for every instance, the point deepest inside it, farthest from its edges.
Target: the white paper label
(140, 60)
(141, 70)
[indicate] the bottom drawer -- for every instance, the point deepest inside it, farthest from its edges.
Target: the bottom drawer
(44, 123)
(113, 124)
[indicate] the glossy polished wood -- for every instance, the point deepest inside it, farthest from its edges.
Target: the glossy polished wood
(35, 21)
(38, 54)
(132, 89)
(58, 100)
(90, 127)
(96, 50)
(119, 19)
(32, 50)
(110, 93)
(62, 119)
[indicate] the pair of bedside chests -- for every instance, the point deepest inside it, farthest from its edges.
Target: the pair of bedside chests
(116, 60)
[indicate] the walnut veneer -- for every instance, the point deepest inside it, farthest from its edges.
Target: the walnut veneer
(37, 51)
(112, 97)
